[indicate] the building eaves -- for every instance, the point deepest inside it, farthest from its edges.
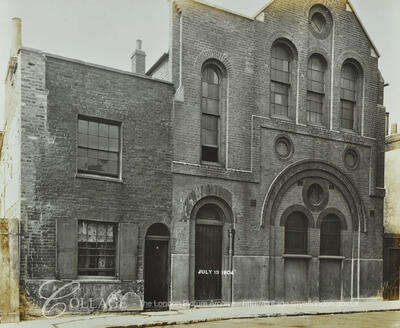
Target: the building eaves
(101, 67)
(211, 5)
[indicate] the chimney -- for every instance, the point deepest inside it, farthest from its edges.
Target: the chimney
(16, 36)
(394, 128)
(138, 59)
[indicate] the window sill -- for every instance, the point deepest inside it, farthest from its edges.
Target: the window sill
(331, 257)
(282, 118)
(99, 279)
(98, 177)
(297, 256)
(205, 163)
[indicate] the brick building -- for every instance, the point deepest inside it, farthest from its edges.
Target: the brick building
(254, 171)
(391, 223)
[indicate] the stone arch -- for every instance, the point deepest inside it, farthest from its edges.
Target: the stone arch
(224, 209)
(297, 208)
(206, 192)
(318, 169)
(335, 212)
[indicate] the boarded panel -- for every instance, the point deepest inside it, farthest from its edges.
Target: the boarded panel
(67, 248)
(208, 260)
(296, 282)
(330, 280)
(129, 235)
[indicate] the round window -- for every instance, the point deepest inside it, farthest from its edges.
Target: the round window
(351, 159)
(283, 147)
(315, 194)
(320, 21)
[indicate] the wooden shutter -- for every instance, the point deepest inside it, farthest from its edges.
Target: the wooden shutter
(67, 248)
(129, 234)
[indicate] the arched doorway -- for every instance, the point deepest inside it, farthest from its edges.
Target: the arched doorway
(208, 253)
(156, 266)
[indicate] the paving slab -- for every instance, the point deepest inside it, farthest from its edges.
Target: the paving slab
(197, 315)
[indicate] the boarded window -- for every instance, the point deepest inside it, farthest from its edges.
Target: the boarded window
(210, 106)
(98, 147)
(96, 248)
(296, 234)
(348, 96)
(330, 235)
(280, 80)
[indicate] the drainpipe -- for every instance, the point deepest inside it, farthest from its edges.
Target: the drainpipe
(231, 251)
(359, 259)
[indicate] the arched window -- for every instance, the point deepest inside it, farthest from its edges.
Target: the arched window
(315, 89)
(348, 96)
(330, 235)
(296, 234)
(210, 117)
(280, 80)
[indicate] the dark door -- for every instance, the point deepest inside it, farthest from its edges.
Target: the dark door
(208, 258)
(156, 274)
(394, 274)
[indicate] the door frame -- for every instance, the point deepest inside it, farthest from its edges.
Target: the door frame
(227, 247)
(152, 237)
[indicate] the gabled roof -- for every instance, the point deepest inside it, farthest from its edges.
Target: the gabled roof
(364, 29)
(351, 7)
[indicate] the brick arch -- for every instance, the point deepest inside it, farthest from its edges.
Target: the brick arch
(286, 38)
(322, 52)
(335, 212)
(297, 208)
(210, 192)
(354, 57)
(316, 169)
(212, 54)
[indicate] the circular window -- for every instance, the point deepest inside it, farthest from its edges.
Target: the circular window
(315, 194)
(320, 21)
(283, 147)
(351, 159)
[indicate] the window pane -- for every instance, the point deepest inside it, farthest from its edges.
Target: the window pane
(82, 163)
(103, 155)
(113, 167)
(113, 131)
(92, 153)
(103, 143)
(93, 128)
(83, 126)
(103, 130)
(209, 154)
(93, 142)
(113, 145)
(82, 140)
(212, 106)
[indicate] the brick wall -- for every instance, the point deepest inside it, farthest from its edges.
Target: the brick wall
(54, 91)
(243, 46)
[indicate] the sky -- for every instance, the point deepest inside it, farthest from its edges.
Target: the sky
(105, 31)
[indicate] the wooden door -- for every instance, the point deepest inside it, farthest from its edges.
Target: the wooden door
(156, 274)
(208, 262)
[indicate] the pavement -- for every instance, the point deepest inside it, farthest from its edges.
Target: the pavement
(198, 315)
